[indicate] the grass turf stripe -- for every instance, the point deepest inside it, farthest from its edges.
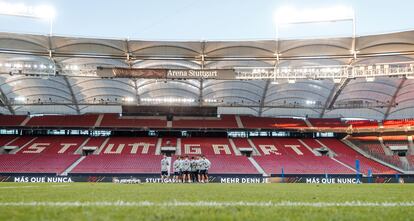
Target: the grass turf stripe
(208, 204)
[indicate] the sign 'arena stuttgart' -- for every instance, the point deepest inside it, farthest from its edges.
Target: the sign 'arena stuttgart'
(218, 74)
(192, 74)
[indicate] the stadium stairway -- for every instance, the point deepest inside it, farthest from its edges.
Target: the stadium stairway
(255, 151)
(239, 122)
(309, 148)
(405, 162)
(257, 166)
(357, 149)
(98, 121)
(24, 122)
(71, 167)
(308, 123)
(79, 150)
(41, 154)
(387, 151)
(121, 155)
(348, 156)
(25, 141)
(316, 143)
(343, 164)
(169, 124)
(11, 141)
(103, 145)
(234, 148)
(178, 151)
(410, 146)
(289, 156)
(158, 146)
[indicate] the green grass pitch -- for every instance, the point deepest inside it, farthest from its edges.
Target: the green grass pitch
(107, 201)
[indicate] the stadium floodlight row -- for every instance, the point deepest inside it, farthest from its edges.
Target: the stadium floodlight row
(335, 73)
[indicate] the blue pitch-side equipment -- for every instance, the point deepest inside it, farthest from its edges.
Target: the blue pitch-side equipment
(369, 176)
(357, 169)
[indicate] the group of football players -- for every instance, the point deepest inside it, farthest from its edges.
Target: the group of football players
(186, 169)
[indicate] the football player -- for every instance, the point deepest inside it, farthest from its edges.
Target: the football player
(186, 168)
(177, 172)
(164, 168)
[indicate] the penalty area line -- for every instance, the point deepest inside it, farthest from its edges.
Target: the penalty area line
(207, 204)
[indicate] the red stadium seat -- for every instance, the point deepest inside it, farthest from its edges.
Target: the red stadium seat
(252, 122)
(225, 121)
(11, 120)
(324, 123)
(115, 121)
(54, 154)
(87, 120)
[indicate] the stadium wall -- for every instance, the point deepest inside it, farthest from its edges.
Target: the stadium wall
(228, 178)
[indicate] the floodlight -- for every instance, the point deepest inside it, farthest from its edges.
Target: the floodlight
(44, 11)
(309, 102)
(337, 80)
(292, 15)
(168, 100)
(291, 81)
(370, 79)
(22, 10)
(210, 100)
(128, 99)
(20, 99)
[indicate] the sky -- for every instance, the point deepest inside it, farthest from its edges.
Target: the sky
(205, 20)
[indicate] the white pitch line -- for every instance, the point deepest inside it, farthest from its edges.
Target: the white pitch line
(58, 186)
(208, 204)
(19, 187)
(16, 187)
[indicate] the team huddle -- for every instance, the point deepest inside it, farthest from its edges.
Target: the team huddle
(186, 169)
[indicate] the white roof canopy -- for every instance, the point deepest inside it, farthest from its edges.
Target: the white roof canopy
(70, 92)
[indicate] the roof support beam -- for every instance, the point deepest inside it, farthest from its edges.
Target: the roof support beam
(6, 102)
(335, 92)
(328, 100)
(337, 89)
(202, 64)
(51, 56)
(266, 88)
(74, 100)
(394, 97)
(128, 54)
(203, 48)
(262, 100)
(201, 95)
(137, 97)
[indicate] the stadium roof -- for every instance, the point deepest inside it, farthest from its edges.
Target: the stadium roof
(77, 89)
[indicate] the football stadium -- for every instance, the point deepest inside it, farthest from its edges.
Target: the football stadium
(288, 127)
